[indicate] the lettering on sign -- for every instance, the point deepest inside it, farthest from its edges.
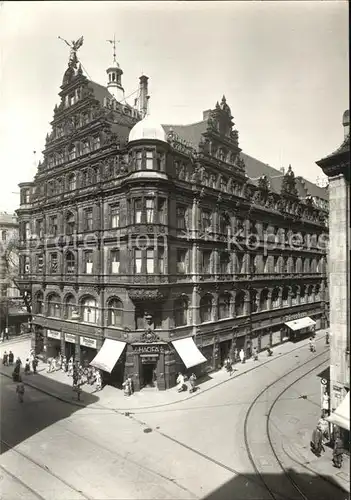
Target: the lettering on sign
(87, 342)
(147, 348)
(292, 317)
(54, 334)
(70, 338)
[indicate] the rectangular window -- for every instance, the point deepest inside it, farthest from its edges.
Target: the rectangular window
(162, 211)
(137, 261)
(150, 264)
(88, 260)
(224, 263)
(205, 220)
(40, 263)
(26, 264)
(181, 260)
(206, 261)
(138, 160)
(96, 143)
(150, 210)
(181, 217)
(161, 260)
(114, 214)
(53, 225)
(115, 261)
(137, 210)
(53, 263)
(149, 160)
(88, 219)
(86, 147)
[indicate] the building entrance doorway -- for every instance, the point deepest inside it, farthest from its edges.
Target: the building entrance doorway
(148, 374)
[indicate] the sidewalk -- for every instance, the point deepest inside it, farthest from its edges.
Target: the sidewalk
(111, 398)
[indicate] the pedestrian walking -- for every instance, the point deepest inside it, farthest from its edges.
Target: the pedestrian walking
(229, 366)
(65, 364)
(2, 336)
(18, 361)
(269, 352)
(131, 385)
(324, 427)
(338, 452)
(16, 372)
(98, 380)
(255, 354)
(11, 358)
(70, 366)
(6, 334)
(126, 387)
(35, 364)
(78, 390)
(317, 441)
(20, 391)
(5, 359)
(27, 367)
(242, 355)
(326, 338)
(180, 382)
(192, 381)
(312, 344)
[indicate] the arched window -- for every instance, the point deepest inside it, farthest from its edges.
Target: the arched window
(310, 293)
(275, 298)
(264, 299)
(72, 152)
(302, 294)
(224, 306)
(239, 303)
(70, 306)
(224, 262)
(70, 263)
(206, 308)
(253, 301)
(70, 223)
(306, 266)
(299, 265)
(39, 303)
(180, 311)
(115, 312)
(294, 292)
(89, 310)
(285, 296)
(71, 182)
(314, 266)
(54, 306)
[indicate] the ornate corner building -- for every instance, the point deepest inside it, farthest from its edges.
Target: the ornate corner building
(337, 167)
(147, 234)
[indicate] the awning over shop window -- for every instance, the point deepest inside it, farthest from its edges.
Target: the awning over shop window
(299, 324)
(341, 416)
(108, 355)
(188, 351)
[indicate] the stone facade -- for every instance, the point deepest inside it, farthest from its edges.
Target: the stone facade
(153, 240)
(337, 167)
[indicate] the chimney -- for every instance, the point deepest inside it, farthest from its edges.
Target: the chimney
(346, 123)
(206, 114)
(143, 95)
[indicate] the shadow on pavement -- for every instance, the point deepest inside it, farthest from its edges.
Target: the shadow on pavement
(252, 487)
(20, 421)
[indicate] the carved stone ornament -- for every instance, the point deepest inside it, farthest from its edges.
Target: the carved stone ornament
(289, 183)
(143, 294)
(263, 183)
(149, 336)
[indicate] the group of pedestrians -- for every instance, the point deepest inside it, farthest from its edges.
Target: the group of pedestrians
(30, 366)
(181, 382)
(321, 436)
(81, 375)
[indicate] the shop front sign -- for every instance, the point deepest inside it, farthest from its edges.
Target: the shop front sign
(87, 342)
(148, 349)
(54, 334)
(292, 317)
(70, 338)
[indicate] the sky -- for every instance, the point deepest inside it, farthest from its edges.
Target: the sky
(282, 65)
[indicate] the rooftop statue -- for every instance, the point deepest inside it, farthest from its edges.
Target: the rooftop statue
(74, 46)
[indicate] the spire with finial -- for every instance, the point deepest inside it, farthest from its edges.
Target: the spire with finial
(115, 73)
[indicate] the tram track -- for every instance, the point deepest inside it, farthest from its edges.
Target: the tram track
(274, 494)
(42, 467)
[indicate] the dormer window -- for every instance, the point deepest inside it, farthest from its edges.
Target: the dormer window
(71, 99)
(25, 196)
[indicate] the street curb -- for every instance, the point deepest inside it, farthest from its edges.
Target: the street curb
(132, 410)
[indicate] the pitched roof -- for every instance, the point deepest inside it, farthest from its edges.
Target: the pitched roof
(254, 168)
(100, 92)
(191, 133)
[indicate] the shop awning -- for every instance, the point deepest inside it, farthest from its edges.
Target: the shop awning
(298, 324)
(108, 355)
(188, 351)
(341, 416)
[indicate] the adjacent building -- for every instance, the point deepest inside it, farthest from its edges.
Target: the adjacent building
(164, 247)
(337, 167)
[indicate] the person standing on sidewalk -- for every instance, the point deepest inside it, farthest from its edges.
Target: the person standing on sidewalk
(255, 354)
(242, 355)
(27, 367)
(35, 364)
(5, 359)
(11, 358)
(20, 391)
(327, 338)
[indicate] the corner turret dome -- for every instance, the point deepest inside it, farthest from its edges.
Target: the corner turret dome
(147, 129)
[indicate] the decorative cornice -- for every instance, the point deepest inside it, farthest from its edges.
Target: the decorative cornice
(146, 294)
